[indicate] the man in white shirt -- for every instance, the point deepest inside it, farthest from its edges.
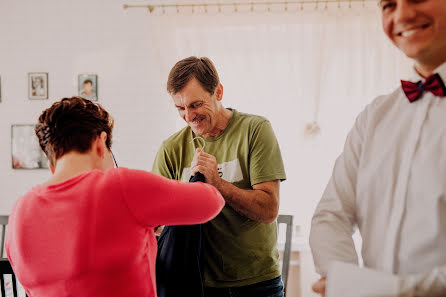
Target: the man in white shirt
(390, 180)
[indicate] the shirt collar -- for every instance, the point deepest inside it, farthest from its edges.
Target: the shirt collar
(441, 70)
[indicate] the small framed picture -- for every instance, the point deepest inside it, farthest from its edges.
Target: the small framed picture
(88, 86)
(26, 151)
(38, 85)
(0, 89)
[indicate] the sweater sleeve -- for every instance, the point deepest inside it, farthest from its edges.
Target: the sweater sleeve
(155, 200)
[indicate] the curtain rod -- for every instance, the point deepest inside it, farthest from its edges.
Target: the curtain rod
(235, 5)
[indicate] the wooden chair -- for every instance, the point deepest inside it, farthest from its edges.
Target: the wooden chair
(288, 220)
(5, 266)
(3, 223)
(6, 269)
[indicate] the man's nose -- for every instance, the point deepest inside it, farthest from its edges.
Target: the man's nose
(405, 12)
(189, 115)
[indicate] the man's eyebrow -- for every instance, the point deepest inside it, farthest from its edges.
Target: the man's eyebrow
(195, 102)
(190, 104)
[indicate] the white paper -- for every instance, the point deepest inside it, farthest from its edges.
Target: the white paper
(348, 280)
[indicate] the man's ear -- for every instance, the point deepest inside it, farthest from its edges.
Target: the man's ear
(219, 92)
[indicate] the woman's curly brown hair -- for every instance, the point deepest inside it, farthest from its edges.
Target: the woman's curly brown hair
(72, 124)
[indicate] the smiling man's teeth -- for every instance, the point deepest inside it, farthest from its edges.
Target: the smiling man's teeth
(408, 33)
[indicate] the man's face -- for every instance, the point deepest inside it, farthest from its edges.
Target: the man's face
(197, 107)
(417, 27)
(38, 82)
(88, 88)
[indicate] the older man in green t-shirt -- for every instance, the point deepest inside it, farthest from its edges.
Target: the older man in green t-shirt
(241, 158)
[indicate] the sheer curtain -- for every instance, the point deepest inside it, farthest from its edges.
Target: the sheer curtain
(294, 67)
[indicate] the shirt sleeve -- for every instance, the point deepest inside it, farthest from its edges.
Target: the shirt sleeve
(431, 283)
(334, 220)
(162, 164)
(265, 161)
(353, 281)
(155, 200)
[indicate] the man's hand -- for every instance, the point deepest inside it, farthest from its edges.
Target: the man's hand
(319, 286)
(157, 230)
(261, 203)
(207, 165)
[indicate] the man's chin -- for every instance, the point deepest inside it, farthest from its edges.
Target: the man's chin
(197, 130)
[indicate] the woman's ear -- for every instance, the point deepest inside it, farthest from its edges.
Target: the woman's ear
(103, 137)
(101, 145)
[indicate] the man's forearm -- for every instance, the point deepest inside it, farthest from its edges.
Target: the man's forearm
(257, 204)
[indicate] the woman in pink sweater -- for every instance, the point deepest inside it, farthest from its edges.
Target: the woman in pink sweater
(89, 230)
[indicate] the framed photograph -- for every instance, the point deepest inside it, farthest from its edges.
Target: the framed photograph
(26, 151)
(88, 86)
(38, 85)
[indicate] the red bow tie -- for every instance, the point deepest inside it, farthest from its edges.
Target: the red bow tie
(433, 84)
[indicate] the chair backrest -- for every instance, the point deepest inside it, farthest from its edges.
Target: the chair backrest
(7, 286)
(288, 220)
(3, 223)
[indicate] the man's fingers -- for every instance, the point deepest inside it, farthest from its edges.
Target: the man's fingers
(204, 156)
(319, 286)
(204, 162)
(199, 168)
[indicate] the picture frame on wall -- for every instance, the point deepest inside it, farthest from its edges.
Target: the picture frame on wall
(88, 86)
(38, 85)
(0, 88)
(25, 149)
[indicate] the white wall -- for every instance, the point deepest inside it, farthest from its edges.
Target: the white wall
(263, 60)
(66, 38)
(257, 55)
(132, 52)
(275, 64)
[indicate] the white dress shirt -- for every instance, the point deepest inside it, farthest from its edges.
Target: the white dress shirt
(390, 182)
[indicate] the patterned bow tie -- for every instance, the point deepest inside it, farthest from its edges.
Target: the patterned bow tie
(433, 84)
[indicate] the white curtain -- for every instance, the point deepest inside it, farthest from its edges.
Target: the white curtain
(293, 67)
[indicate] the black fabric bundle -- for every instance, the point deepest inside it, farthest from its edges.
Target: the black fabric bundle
(178, 263)
(199, 177)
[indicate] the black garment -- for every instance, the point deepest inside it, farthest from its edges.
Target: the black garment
(178, 262)
(198, 177)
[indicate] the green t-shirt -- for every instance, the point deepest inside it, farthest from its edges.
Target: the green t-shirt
(238, 251)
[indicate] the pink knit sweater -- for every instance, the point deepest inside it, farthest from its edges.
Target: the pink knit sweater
(92, 235)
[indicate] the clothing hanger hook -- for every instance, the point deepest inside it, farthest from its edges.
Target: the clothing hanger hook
(201, 140)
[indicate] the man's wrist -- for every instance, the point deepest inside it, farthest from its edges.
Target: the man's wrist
(220, 184)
